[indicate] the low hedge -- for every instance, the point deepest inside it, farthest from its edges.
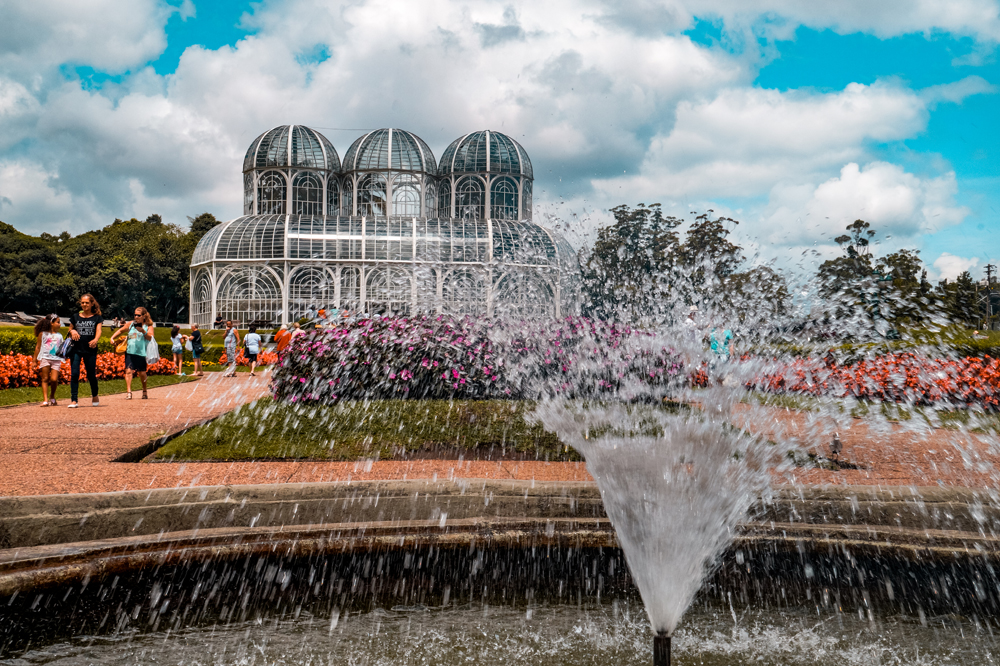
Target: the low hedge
(19, 342)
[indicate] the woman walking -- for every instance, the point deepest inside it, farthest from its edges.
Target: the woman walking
(177, 348)
(252, 341)
(231, 340)
(196, 349)
(48, 347)
(85, 330)
(139, 334)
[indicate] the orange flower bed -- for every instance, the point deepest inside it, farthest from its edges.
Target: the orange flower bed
(263, 358)
(905, 377)
(19, 370)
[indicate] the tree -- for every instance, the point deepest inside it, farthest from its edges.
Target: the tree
(959, 299)
(34, 278)
(626, 273)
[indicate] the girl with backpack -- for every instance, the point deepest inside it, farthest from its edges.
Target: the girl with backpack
(48, 354)
(140, 335)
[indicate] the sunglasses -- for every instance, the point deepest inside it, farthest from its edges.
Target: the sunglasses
(138, 315)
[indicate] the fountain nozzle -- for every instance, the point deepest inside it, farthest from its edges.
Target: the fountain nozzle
(661, 650)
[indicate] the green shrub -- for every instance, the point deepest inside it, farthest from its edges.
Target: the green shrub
(16, 342)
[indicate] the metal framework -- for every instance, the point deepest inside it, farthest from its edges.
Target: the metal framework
(389, 232)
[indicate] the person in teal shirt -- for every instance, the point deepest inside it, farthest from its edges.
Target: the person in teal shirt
(720, 342)
(139, 334)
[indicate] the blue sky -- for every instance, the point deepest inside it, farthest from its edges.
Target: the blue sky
(795, 118)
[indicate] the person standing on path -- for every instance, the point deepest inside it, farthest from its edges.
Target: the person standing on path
(282, 338)
(177, 348)
(196, 349)
(48, 347)
(85, 330)
(140, 334)
(252, 342)
(231, 340)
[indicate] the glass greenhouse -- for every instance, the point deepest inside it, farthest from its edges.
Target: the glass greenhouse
(388, 231)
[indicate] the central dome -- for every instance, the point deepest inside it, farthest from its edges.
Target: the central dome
(390, 149)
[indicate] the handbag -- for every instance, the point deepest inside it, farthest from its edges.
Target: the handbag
(122, 346)
(67, 347)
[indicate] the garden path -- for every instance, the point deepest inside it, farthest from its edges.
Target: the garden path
(57, 450)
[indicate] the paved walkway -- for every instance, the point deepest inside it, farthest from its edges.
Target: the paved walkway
(58, 450)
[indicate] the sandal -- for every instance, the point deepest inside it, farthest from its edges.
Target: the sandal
(128, 396)
(145, 396)
(46, 404)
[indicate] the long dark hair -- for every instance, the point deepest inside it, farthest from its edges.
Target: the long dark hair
(175, 330)
(44, 325)
(95, 307)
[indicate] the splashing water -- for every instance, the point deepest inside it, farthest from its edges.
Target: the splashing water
(675, 486)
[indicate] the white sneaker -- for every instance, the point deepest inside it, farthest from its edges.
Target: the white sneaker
(73, 405)
(95, 403)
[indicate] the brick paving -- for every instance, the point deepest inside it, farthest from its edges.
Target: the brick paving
(58, 450)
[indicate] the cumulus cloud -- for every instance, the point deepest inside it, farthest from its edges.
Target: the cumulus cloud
(745, 140)
(886, 18)
(612, 101)
(109, 35)
(896, 203)
(949, 267)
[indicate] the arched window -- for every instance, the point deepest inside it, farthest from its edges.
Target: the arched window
(347, 201)
(464, 292)
(332, 196)
(470, 198)
(444, 198)
(430, 196)
(309, 286)
(350, 288)
(406, 195)
(387, 291)
(523, 294)
(250, 294)
(372, 195)
(307, 194)
(248, 194)
(271, 193)
(201, 304)
(503, 199)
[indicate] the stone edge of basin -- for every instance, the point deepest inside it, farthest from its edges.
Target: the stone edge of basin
(54, 539)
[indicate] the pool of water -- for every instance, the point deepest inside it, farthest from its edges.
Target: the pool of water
(610, 632)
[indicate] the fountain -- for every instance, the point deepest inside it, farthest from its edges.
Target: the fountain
(456, 570)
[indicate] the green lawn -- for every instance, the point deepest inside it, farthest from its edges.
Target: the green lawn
(375, 429)
(19, 396)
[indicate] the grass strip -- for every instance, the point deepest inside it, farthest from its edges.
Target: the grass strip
(377, 429)
(19, 396)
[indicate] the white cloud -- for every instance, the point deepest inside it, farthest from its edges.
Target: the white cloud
(571, 80)
(109, 35)
(745, 140)
(949, 267)
(896, 203)
(884, 18)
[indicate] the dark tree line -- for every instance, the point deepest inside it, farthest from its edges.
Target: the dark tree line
(643, 264)
(125, 264)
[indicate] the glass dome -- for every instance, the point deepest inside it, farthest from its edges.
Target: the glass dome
(291, 146)
(390, 149)
(485, 151)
